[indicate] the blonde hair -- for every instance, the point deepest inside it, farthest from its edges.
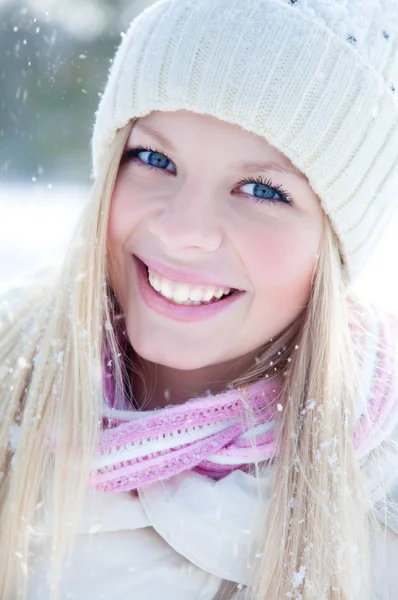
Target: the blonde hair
(51, 384)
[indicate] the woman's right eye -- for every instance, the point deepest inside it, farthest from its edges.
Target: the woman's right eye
(149, 158)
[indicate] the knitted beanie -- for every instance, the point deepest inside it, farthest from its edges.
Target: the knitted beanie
(317, 78)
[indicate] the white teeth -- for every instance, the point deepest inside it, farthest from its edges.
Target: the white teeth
(181, 292)
(154, 281)
(184, 292)
(166, 289)
(196, 294)
(208, 294)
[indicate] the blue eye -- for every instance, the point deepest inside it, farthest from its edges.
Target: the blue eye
(264, 191)
(151, 158)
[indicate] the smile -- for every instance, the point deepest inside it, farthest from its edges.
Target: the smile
(186, 293)
(181, 301)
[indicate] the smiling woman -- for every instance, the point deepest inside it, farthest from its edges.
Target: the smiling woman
(197, 406)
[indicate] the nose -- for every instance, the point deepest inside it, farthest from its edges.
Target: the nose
(188, 220)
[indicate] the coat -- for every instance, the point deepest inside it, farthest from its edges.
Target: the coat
(185, 538)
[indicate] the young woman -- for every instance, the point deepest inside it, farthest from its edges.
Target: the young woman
(197, 406)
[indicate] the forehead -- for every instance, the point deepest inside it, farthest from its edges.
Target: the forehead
(175, 129)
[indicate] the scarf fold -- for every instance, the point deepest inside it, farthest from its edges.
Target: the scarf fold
(215, 435)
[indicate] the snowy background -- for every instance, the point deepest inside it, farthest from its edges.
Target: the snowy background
(54, 59)
(35, 226)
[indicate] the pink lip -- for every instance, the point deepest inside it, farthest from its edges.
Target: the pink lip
(177, 312)
(183, 276)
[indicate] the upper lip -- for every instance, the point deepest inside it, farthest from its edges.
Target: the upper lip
(183, 275)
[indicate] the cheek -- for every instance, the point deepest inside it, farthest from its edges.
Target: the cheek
(122, 222)
(115, 237)
(125, 213)
(119, 213)
(282, 261)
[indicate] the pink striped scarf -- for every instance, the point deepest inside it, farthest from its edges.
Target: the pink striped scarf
(214, 435)
(211, 435)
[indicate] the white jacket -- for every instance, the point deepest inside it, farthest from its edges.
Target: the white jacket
(181, 539)
(176, 540)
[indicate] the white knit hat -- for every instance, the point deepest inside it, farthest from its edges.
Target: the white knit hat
(316, 78)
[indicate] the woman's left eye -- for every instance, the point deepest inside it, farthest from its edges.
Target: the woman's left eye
(264, 191)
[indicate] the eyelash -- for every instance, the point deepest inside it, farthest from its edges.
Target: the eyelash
(131, 154)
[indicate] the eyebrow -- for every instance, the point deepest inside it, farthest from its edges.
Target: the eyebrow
(249, 166)
(155, 134)
(253, 167)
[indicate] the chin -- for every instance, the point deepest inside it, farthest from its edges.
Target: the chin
(173, 355)
(174, 350)
(181, 361)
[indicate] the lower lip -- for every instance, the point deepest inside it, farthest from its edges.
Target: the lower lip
(178, 312)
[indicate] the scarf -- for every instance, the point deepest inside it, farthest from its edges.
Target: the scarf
(215, 435)
(212, 435)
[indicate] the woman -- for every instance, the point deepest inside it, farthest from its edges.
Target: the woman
(197, 405)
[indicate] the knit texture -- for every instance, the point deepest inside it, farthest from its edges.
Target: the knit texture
(317, 78)
(216, 435)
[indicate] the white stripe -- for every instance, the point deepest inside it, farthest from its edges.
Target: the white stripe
(253, 454)
(128, 415)
(158, 444)
(257, 430)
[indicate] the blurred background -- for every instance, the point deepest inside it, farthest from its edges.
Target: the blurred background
(54, 60)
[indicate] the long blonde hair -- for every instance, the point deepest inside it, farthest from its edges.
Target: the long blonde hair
(51, 386)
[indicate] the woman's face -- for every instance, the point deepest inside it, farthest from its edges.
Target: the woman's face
(208, 206)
